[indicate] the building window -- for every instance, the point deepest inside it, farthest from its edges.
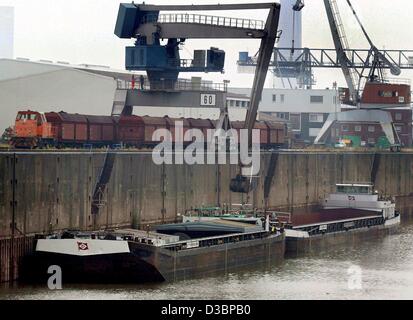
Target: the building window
(398, 116)
(282, 98)
(237, 103)
(295, 120)
(399, 129)
(357, 128)
(283, 115)
(274, 98)
(388, 94)
(371, 141)
(316, 117)
(316, 99)
(345, 128)
(314, 132)
(372, 128)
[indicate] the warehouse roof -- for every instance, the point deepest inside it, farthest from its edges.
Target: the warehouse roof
(9, 69)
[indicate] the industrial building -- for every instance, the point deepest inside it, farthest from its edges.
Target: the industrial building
(46, 86)
(306, 110)
(371, 133)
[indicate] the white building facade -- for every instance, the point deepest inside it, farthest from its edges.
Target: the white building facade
(305, 110)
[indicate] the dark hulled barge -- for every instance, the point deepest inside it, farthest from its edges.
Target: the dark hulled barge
(132, 256)
(353, 212)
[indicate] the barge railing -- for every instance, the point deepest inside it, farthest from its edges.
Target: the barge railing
(219, 240)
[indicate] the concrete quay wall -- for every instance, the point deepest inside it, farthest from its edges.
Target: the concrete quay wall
(53, 191)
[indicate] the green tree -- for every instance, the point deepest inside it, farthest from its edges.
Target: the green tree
(7, 135)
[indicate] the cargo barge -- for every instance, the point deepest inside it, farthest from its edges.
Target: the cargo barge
(133, 256)
(353, 213)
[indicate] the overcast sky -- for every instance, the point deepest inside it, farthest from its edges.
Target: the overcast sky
(81, 31)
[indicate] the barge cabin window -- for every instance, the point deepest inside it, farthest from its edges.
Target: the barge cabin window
(354, 189)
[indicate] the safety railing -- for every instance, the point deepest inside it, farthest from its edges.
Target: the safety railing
(219, 240)
(205, 19)
(171, 85)
(398, 81)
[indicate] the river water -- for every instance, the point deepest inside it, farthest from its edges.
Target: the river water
(380, 269)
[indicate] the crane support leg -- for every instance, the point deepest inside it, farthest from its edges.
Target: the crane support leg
(357, 116)
(243, 184)
(264, 60)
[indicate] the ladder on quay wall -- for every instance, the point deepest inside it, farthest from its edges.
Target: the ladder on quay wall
(270, 177)
(375, 167)
(102, 182)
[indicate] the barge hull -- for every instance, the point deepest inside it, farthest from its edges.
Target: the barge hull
(297, 247)
(101, 269)
(147, 263)
(216, 260)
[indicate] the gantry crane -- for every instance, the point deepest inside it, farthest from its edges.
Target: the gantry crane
(162, 63)
(352, 76)
(353, 62)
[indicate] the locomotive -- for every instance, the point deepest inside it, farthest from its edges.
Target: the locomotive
(64, 130)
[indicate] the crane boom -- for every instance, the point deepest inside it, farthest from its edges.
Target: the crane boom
(340, 43)
(394, 69)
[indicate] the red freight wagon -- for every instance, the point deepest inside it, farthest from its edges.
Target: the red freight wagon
(101, 129)
(172, 122)
(130, 130)
(240, 125)
(277, 133)
(69, 127)
(151, 124)
(202, 124)
(237, 126)
(263, 132)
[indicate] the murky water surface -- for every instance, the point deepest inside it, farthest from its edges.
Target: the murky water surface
(386, 273)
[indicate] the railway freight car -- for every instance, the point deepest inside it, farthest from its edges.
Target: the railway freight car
(60, 129)
(272, 134)
(67, 129)
(101, 130)
(130, 130)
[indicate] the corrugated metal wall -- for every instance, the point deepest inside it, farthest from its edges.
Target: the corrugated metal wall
(11, 253)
